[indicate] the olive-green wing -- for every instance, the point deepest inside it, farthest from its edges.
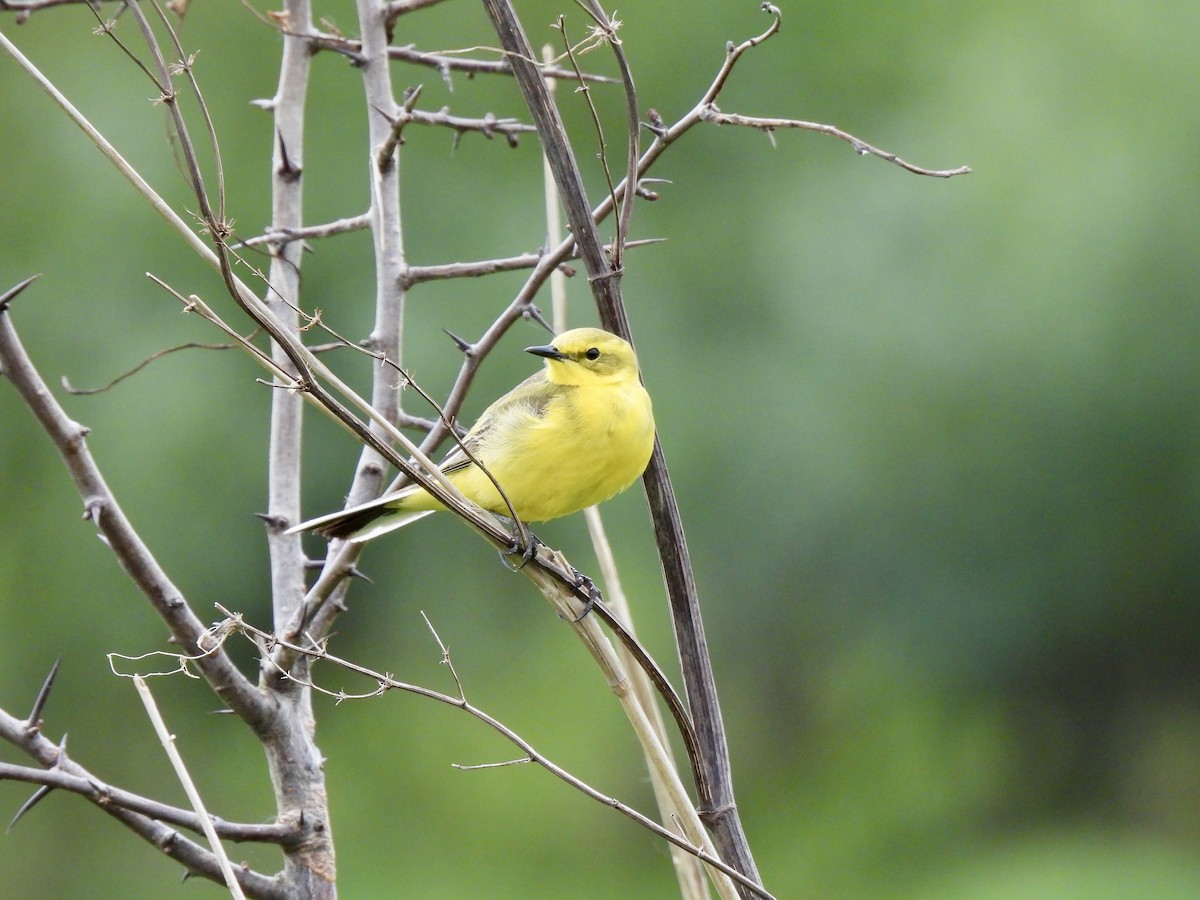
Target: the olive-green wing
(530, 398)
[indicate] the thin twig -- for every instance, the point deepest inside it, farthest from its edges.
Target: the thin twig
(711, 114)
(609, 28)
(601, 143)
(489, 125)
(27, 7)
(158, 354)
(397, 8)
(189, 786)
(281, 236)
(446, 660)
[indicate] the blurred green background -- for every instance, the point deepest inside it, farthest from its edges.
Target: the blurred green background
(935, 443)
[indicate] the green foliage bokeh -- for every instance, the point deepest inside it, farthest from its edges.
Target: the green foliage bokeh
(935, 442)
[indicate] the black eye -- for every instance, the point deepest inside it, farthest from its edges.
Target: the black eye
(592, 353)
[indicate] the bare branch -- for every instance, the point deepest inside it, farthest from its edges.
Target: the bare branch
(26, 8)
(419, 274)
(489, 126)
(386, 682)
(445, 63)
(283, 298)
(710, 113)
(284, 235)
(397, 8)
(141, 816)
(100, 793)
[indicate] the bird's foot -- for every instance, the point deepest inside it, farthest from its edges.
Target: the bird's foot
(526, 550)
(582, 582)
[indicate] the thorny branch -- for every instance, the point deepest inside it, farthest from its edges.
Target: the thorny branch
(489, 126)
(384, 682)
(100, 793)
(328, 229)
(317, 614)
(140, 815)
(445, 63)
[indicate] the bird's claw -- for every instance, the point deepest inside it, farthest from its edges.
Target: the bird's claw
(582, 582)
(526, 550)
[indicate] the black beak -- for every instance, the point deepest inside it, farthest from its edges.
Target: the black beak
(547, 351)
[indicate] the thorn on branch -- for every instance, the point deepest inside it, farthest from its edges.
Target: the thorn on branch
(11, 294)
(287, 171)
(92, 510)
(33, 724)
(656, 126)
(532, 312)
(29, 804)
(464, 346)
(275, 523)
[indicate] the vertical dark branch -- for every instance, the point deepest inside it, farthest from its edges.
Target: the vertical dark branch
(561, 158)
(715, 781)
(633, 125)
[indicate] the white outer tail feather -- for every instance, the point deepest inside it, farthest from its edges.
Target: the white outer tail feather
(385, 524)
(382, 525)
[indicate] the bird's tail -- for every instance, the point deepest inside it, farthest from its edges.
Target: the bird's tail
(363, 522)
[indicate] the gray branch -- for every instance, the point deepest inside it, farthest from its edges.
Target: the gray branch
(139, 815)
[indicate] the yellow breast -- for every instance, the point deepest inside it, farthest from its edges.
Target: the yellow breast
(591, 442)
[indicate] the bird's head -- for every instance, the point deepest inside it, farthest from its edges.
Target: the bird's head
(588, 356)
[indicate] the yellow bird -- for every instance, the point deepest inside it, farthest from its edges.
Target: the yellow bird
(569, 436)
